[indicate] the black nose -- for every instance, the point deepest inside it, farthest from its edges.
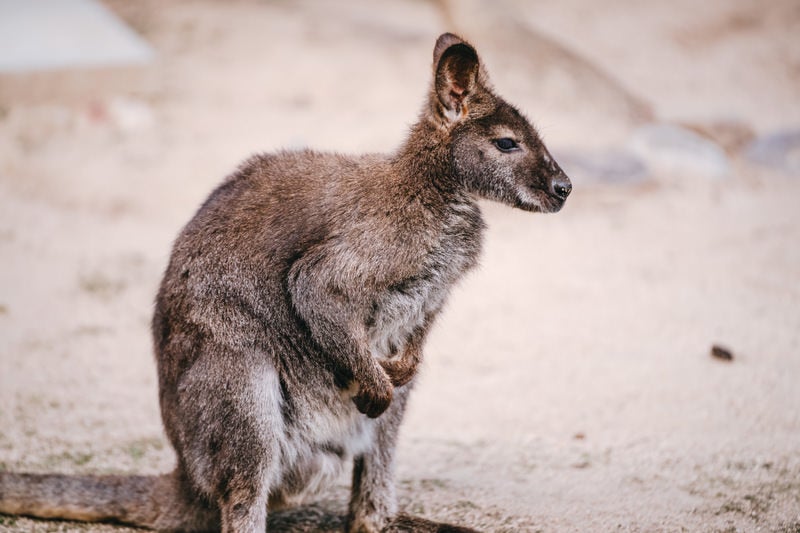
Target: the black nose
(561, 186)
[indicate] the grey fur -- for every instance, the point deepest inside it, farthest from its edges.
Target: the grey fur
(297, 301)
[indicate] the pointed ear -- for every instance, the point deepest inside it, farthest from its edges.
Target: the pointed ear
(456, 74)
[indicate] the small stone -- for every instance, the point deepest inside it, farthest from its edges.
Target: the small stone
(612, 167)
(677, 151)
(722, 353)
(779, 150)
(732, 135)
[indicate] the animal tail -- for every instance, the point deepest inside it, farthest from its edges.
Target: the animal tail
(160, 502)
(155, 502)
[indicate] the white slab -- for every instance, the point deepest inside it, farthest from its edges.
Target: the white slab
(61, 34)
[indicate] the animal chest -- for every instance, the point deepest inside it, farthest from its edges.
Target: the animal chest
(406, 305)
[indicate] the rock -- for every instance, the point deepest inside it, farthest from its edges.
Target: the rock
(732, 135)
(676, 151)
(613, 167)
(779, 150)
(720, 352)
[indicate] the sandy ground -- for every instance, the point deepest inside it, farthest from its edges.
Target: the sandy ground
(568, 386)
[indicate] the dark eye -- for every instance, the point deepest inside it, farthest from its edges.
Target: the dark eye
(505, 144)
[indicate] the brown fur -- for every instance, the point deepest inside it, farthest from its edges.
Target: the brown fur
(297, 301)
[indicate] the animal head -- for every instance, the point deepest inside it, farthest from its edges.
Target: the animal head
(495, 150)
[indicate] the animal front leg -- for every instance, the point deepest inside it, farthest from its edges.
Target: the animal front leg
(333, 319)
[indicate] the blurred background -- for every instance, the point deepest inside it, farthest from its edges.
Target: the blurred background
(570, 384)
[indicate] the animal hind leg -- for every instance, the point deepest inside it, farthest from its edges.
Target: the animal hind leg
(373, 501)
(231, 426)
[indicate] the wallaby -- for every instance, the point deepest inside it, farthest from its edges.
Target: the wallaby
(291, 319)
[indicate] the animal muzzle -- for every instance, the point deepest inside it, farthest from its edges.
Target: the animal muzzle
(560, 186)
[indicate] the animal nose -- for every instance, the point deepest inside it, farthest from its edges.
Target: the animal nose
(561, 186)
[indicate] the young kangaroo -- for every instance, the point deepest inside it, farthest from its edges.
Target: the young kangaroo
(292, 315)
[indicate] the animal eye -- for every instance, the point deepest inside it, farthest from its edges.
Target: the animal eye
(505, 144)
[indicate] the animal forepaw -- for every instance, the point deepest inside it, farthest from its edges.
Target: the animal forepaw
(398, 373)
(373, 402)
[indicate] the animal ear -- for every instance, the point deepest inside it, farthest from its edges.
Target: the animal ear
(456, 68)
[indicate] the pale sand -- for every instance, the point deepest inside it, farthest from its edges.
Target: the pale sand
(568, 386)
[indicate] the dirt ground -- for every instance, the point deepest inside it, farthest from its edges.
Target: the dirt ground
(569, 385)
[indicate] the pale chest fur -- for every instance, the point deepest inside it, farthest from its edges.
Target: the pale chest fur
(407, 304)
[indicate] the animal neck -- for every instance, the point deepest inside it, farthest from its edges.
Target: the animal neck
(424, 161)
